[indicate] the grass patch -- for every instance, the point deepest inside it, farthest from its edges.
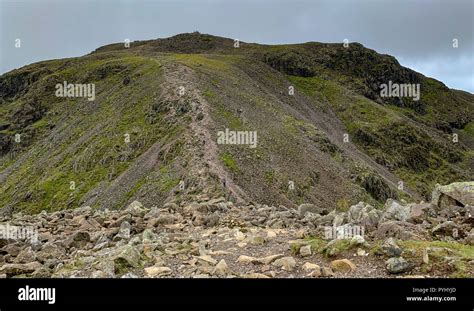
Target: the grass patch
(229, 162)
(469, 129)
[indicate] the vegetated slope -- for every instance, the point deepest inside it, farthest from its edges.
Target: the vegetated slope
(171, 96)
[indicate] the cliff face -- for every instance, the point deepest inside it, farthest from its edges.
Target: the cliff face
(324, 133)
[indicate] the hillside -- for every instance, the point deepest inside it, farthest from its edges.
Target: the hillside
(160, 104)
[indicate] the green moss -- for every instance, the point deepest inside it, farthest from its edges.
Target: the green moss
(40, 124)
(229, 162)
(343, 205)
(469, 129)
(374, 184)
(232, 121)
(440, 252)
(206, 62)
(336, 247)
(461, 250)
(209, 94)
(295, 126)
(270, 177)
(167, 180)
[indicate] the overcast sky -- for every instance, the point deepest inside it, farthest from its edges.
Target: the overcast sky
(419, 33)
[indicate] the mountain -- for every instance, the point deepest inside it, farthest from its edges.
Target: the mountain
(149, 128)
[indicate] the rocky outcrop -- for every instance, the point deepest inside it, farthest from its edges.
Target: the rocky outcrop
(459, 193)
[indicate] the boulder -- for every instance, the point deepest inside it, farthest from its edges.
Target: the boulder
(448, 228)
(18, 269)
(311, 208)
(12, 249)
(339, 219)
(400, 230)
(286, 263)
(343, 265)
(390, 248)
(458, 193)
(394, 210)
(136, 209)
(156, 271)
(221, 269)
(125, 257)
(308, 266)
(418, 212)
(305, 251)
(363, 215)
(124, 232)
(78, 240)
(397, 265)
(25, 256)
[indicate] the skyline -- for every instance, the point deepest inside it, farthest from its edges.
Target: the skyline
(420, 34)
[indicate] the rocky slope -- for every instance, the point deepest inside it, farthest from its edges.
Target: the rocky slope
(216, 238)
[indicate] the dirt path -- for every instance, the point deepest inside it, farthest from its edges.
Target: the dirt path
(198, 137)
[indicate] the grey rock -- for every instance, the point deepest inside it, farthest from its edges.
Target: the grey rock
(78, 239)
(400, 230)
(390, 248)
(148, 236)
(419, 212)
(43, 272)
(448, 228)
(305, 251)
(395, 211)
(50, 250)
(17, 269)
(364, 215)
(339, 219)
(310, 208)
(136, 209)
(357, 240)
(285, 263)
(26, 255)
(124, 232)
(397, 265)
(453, 194)
(125, 257)
(211, 220)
